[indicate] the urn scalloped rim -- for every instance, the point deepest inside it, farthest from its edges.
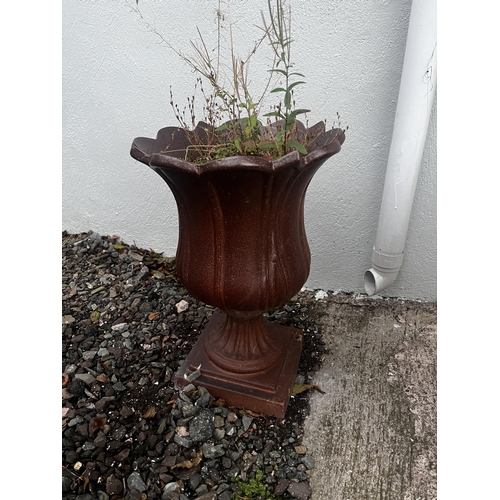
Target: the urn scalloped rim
(154, 152)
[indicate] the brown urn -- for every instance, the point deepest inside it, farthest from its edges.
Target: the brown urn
(242, 248)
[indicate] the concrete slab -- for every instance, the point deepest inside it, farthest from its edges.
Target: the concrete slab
(373, 432)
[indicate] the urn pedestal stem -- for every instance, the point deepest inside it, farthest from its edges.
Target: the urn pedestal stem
(243, 345)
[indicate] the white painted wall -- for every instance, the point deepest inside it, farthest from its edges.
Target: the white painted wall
(116, 80)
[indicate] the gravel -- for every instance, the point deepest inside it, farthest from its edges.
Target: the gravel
(127, 433)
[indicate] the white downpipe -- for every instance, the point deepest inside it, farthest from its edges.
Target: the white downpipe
(416, 96)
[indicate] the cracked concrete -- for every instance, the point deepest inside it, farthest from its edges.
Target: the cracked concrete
(373, 432)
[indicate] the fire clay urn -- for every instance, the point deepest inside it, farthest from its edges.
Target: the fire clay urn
(242, 248)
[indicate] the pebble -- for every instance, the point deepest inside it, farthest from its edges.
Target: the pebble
(171, 492)
(66, 394)
(86, 377)
(113, 485)
(282, 486)
(190, 410)
(135, 481)
(211, 451)
(182, 306)
(127, 358)
(202, 490)
(246, 422)
(232, 417)
(183, 441)
(308, 461)
(119, 386)
(321, 294)
(202, 427)
(119, 327)
(219, 434)
(204, 399)
(66, 483)
(135, 256)
(182, 431)
(300, 449)
(207, 496)
(193, 376)
(88, 446)
(301, 490)
(76, 387)
(70, 369)
(218, 421)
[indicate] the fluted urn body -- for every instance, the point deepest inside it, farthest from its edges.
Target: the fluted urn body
(242, 248)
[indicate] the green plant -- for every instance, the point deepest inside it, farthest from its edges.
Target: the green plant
(253, 489)
(234, 118)
(281, 41)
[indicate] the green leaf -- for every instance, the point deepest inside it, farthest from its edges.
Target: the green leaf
(296, 145)
(290, 87)
(275, 113)
(297, 74)
(299, 112)
(279, 89)
(276, 70)
(252, 122)
(237, 145)
(293, 115)
(221, 128)
(288, 100)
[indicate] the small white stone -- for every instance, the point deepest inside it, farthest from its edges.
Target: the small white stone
(119, 327)
(171, 487)
(182, 431)
(181, 306)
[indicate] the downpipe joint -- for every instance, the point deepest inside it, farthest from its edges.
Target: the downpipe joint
(384, 270)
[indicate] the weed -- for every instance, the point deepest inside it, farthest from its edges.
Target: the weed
(253, 489)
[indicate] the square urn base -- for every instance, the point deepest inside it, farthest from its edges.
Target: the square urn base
(266, 392)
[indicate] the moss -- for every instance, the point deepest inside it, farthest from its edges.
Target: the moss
(253, 489)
